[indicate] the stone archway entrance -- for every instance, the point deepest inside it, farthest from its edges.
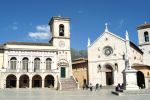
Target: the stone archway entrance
(140, 79)
(11, 81)
(109, 78)
(24, 81)
(37, 81)
(49, 81)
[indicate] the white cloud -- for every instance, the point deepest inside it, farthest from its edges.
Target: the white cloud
(43, 32)
(16, 23)
(14, 27)
(80, 11)
(30, 23)
(121, 22)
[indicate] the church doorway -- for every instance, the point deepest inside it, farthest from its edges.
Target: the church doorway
(49, 81)
(109, 79)
(11, 81)
(140, 79)
(24, 81)
(37, 81)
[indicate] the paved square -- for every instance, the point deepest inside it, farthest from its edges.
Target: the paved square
(47, 94)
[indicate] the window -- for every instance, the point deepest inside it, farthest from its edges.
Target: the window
(13, 63)
(48, 63)
(83, 67)
(61, 30)
(25, 63)
(146, 36)
(135, 60)
(37, 63)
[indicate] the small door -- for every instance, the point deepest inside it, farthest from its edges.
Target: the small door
(63, 72)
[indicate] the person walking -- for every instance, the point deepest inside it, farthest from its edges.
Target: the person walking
(91, 87)
(96, 87)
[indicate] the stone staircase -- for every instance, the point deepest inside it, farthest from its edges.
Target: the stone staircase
(68, 84)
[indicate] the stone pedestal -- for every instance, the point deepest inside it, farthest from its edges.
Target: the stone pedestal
(130, 79)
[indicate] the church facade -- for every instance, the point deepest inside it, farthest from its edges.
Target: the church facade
(31, 64)
(106, 57)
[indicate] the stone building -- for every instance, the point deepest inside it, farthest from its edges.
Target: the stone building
(30, 64)
(80, 70)
(106, 58)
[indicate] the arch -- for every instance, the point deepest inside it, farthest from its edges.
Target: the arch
(48, 63)
(25, 63)
(11, 81)
(146, 35)
(23, 81)
(37, 63)
(61, 30)
(13, 62)
(140, 79)
(49, 81)
(109, 74)
(36, 81)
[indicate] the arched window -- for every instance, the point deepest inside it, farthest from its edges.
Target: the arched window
(37, 63)
(61, 30)
(13, 63)
(25, 63)
(146, 36)
(48, 63)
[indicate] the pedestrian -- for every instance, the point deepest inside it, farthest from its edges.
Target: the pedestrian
(4, 86)
(86, 86)
(96, 87)
(91, 87)
(101, 86)
(118, 86)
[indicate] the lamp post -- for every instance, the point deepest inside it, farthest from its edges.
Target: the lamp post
(83, 82)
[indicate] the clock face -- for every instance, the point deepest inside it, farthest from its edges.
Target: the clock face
(61, 43)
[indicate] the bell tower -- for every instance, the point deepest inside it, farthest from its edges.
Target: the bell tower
(144, 41)
(60, 38)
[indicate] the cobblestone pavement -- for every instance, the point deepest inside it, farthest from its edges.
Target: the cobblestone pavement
(47, 94)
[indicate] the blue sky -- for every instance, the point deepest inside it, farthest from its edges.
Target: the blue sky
(27, 20)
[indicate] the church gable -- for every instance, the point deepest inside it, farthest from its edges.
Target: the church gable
(106, 44)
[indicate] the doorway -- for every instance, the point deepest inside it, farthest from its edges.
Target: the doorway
(63, 72)
(140, 79)
(109, 78)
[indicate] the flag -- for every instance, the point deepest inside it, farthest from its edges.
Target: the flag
(27, 66)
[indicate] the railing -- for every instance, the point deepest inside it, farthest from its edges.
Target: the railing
(31, 70)
(77, 83)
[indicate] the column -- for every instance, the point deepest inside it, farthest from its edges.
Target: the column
(6, 59)
(31, 64)
(42, 83)
(30, 83)
(17, 84)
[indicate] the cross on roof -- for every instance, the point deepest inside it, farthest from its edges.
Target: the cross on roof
(106, 25)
